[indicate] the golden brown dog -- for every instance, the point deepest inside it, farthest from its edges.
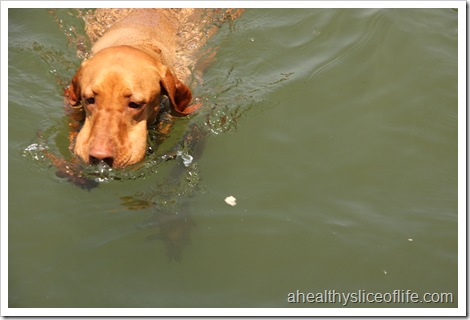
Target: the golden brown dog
(117, 92)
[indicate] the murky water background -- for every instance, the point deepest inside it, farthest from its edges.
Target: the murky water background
(335, 129)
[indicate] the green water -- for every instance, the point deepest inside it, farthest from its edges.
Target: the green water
(340, 147)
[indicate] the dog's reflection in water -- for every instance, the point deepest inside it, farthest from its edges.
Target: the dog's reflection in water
(173, 229)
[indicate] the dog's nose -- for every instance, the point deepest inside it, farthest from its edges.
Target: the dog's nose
(101, 154)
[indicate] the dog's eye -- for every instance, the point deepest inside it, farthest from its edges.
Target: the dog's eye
(90, 100)
(135, 105)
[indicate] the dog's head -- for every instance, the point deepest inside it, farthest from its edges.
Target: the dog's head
(119, 90)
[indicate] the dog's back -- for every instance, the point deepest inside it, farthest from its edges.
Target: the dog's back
(180, 33)
(152, 28)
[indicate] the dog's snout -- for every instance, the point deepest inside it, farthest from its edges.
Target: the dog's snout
(109, 161)
(101, 154)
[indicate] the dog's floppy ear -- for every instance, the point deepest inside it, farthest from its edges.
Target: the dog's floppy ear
(178, 94)
(72, 97)
(72, 93)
